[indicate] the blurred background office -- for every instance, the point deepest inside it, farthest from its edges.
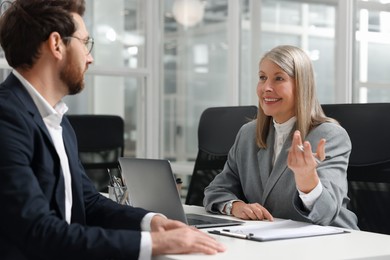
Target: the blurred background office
(160, 63)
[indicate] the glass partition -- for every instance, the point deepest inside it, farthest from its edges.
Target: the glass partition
(111, 95)
(310, 25)
(147, 56)
(118, 27)
(194, 75)
(372, 79)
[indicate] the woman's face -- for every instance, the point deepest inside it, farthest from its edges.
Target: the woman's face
(276, 92)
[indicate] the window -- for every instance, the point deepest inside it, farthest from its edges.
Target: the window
(301, 23)
(159, 74)
(372, 79)
(116, 82)
(195, 76)
(114, 95)
(197, 59)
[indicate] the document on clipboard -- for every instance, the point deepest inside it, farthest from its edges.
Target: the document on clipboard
(283, 229)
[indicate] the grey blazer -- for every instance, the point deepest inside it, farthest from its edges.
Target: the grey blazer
(248, 175)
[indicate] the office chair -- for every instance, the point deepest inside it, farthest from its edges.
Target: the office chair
(101, 142)
(368, 126)
(218, 127)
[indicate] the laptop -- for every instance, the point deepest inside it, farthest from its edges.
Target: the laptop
(151, 185)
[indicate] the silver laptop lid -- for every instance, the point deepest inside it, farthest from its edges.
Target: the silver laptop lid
(151, 185)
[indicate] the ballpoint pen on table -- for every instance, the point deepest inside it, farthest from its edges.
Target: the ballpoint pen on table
(226, 232)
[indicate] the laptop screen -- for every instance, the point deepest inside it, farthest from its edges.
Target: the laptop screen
(151, 185)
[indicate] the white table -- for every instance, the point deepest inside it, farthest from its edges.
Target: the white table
(353, 245)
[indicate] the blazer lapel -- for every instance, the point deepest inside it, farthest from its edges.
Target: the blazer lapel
(264, 157)
(280, 167)
(25, 98)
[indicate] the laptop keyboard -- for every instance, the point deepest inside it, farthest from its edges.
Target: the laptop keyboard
(209, 221)
(195, 222)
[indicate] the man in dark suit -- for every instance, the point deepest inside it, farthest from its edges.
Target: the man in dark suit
(50, 209)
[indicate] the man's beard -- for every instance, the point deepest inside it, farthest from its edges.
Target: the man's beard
(72, 77)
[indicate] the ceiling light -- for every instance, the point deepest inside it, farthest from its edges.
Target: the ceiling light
(188, 12)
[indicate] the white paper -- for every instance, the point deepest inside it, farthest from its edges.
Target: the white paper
(283, 229)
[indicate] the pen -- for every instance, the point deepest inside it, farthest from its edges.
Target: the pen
(318, 161)
(118, 188)
(232, 234)
(110, 177)
(124, 198)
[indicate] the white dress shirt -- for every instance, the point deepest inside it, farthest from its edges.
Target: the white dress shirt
(282, 131)
(52, 118)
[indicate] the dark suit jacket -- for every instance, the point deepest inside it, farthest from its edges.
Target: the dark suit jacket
(32, 222)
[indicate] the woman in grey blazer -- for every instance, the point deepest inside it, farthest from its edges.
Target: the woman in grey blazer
(272, 169)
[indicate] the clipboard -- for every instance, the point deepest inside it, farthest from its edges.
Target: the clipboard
(284, 229)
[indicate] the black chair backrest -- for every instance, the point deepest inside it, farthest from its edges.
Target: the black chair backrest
(101, 142)
(218, 127)
(368, 126)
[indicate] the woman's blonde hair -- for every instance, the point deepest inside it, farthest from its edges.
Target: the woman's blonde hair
(296, 63)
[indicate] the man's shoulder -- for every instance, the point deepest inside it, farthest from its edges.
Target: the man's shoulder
(8, 86)
(13, 94)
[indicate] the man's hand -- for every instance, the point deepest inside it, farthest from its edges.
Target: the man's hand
(184, 240)
(160, 223)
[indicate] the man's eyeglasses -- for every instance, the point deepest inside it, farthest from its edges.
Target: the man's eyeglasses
(88, 43)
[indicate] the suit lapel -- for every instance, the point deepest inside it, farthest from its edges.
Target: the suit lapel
(25, 98)
(280, 165)
(264, 157)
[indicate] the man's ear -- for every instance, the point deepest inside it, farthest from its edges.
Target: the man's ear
(56, 45)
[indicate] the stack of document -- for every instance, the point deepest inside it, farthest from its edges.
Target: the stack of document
(280, 229)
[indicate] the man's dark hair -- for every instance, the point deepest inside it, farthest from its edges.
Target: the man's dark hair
(26, 24)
